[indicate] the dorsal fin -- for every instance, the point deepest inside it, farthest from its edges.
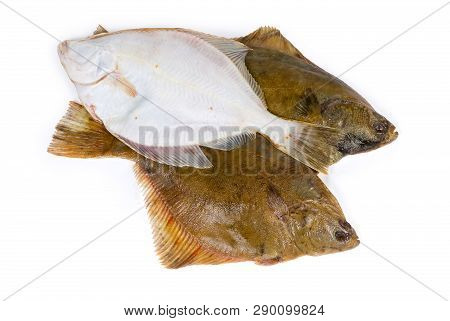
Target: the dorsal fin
(175, 246)
(236, 51)
(271, 38)
(99, 30)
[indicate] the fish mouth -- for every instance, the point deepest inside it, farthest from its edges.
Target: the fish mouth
(353, 144)
(390, 137)
(354, 242)
(394, 135)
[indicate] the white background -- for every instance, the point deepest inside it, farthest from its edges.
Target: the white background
(397, 197)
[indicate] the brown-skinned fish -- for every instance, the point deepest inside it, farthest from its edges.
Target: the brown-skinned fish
(296, 88)
(256, 203)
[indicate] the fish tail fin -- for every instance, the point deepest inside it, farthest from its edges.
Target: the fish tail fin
(78, 135)
(311, 144)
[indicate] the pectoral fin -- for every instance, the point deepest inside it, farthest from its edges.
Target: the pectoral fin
(117, 80)
(308, 105)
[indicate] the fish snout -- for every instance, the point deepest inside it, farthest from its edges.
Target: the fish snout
(393, 133)
(390, 135)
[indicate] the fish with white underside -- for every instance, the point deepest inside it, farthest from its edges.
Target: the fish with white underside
(166, 92)
(256, 204)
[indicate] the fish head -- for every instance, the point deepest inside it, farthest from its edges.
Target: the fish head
(330, 234)
(363, 128)
(86, 61)
(317, 231)
(95, 65)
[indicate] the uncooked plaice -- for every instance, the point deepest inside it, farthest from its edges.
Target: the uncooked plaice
(296, 88)
(255, 203)
(166, 92)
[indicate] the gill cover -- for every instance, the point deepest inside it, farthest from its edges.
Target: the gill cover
(85, 61)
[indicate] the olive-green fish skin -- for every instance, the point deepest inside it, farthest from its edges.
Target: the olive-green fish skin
(256, 203)
(296, 89)
(277, 212)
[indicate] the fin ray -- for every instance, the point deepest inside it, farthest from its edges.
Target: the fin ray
(308, 104)
(99, 30)
(236, 52)
(175, 246)
(232, 142)
(180, 156)
(78, 135)
(308, 143)
(311, 144)
(271, 38)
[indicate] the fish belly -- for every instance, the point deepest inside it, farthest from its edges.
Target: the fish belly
(181, 81)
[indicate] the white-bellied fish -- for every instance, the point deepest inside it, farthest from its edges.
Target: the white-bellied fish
(166, 92)
(276, 210)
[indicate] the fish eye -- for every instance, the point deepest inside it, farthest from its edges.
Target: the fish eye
(341, 236)
(380, 127)
(345, 225)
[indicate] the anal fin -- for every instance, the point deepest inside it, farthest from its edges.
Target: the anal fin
(308, 105)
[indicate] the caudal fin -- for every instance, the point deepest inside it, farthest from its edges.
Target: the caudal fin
(313, 145)
(78, 135)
